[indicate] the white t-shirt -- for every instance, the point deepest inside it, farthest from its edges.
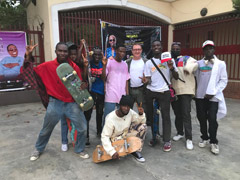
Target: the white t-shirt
(158, 84)
(136, 71)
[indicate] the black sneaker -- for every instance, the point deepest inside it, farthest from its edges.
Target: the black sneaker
(87, 142)
(137, 155)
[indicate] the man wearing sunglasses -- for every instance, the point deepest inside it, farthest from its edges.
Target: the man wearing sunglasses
(185, 89)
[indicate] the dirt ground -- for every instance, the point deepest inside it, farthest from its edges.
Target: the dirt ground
(21, 124)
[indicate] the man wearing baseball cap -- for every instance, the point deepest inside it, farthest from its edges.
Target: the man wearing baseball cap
(211, 77)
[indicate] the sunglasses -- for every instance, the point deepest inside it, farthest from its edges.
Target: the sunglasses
(12, 49)
(176, 43)
(111, 40)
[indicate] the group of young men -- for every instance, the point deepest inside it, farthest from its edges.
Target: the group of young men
(118, 84)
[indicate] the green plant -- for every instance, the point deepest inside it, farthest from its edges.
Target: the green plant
(236, 4)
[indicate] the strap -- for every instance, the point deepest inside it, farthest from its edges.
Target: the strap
(160, 72)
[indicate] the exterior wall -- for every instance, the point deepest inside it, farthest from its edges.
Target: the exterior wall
(172, 13)
(187, 10)
(37, 15)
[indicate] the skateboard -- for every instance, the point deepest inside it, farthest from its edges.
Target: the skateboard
(123, 147)
(72, 82)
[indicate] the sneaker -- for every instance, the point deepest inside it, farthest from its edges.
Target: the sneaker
(189, 144)
(137, 155)
(35, 155)
(177, 137)
(152, 142)
(214, 148)
(64, 147)
(167, 146)
(203, 143)
(84, 155)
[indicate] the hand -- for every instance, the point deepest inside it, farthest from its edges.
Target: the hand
(115, 156)
(84, 85)
(170, 64)
(144, 79)
(208, 96)
(140, 109)
(104, 59)
(30, 48)
(85, 61)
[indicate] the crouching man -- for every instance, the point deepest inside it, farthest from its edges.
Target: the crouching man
(124, 122)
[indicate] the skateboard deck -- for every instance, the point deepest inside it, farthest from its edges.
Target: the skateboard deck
(72, 82)
(123, 147)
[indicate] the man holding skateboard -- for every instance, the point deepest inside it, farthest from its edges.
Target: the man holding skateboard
(122, 123)
(61, 103)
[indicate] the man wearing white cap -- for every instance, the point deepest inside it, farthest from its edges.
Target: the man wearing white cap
(211, 79)
(157, 88)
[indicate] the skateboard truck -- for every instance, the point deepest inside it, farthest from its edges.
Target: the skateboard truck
(100, 153)
(85, 101)
(126, 145)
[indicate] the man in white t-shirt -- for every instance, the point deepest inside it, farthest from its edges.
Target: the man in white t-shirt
(136, 66)
(158, 89)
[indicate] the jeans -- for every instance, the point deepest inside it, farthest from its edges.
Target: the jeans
(182, 111)
(163, 99)
(207, 112)
(57, 110)
(108, 107)
(64, 130)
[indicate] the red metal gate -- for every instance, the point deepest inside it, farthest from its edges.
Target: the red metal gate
(223, 30)
(36, 36)
(85, 24)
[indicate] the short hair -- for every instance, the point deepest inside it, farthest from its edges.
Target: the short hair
(176, 44)
(137, 44)
(156, 40)
(60, 43)
(11, 45)
(119, 45)
(73, 47)
(97, 48)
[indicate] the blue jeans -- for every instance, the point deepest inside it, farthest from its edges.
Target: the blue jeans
(57, 110)
(108, 107)
(64, 131)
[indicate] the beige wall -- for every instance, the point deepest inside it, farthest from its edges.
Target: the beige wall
(186, 10)
(176, 12)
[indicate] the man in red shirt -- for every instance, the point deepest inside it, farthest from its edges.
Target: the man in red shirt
(61, 103)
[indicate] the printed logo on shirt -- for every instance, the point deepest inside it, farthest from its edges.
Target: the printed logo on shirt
(160, 66)
(205, 69)
(96, 72)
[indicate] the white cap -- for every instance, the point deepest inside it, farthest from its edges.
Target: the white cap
(166, 56)
(208, 43)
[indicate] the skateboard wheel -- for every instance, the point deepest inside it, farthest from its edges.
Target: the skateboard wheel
(74, 72)
(90, 98)
(81, 105)
(64, 79)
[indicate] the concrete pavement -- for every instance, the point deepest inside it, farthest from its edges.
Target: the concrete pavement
(20, 125)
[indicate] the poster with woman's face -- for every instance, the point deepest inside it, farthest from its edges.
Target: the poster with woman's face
(12, 49)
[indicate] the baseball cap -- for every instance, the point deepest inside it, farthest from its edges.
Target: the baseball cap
(166, 56)
(208, 43)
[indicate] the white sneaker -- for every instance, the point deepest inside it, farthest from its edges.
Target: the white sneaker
(64, 147)
(214, 148)
(189, 144)
(35, 155)
(84, 155)
(203, 143)
(177, 137)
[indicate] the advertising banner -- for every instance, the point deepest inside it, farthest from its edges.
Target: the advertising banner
(12, 49)
(113, 34)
